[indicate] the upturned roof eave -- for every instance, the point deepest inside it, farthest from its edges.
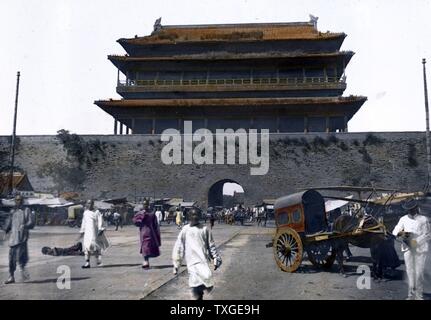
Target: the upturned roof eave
(232, 56)
(150, 39)
(228, 102)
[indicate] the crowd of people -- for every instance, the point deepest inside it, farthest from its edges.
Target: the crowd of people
(194, 243)
(238, 214)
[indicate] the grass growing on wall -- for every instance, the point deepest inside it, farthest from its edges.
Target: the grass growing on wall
(81, 151)
(70, 175)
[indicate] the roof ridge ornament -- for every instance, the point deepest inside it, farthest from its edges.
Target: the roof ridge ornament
(313, 20)
(157, 25)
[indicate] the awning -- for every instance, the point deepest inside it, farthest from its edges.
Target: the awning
(175, 202)
(8, 202)
(67, 204)
(102, 205)
(49, 202)
(117, 200)
(187, 204)
(46, 201)
(335, 204)
(20, 182)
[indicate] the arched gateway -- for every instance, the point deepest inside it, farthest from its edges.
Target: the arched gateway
(215, 192)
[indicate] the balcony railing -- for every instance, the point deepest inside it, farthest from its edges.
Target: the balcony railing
(227, 82)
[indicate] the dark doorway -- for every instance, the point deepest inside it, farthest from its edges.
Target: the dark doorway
(221, 192)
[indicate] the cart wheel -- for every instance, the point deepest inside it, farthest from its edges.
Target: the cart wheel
(288, 250)
(321, 254)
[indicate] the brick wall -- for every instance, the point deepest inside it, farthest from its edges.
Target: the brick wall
(130, 165)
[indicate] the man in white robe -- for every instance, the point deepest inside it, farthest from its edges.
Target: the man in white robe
(196, 244)
(92, 231)
(414, 229)
(159, 216)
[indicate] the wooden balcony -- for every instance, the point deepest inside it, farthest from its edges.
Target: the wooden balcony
(248, 84)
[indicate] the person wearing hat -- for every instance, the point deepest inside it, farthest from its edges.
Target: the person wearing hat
(414, 230)
(18, 225)
(149, 234)
(196, 244)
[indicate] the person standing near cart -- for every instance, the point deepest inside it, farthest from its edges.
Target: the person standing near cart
(414, 230)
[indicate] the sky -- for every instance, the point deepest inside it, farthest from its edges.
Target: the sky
(229, 188)
(61, 47)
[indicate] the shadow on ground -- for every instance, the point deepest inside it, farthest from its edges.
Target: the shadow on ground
(122, 265)
(136, 265)
(55, 280)
(360, 259)
(161, 267)
(334, 269)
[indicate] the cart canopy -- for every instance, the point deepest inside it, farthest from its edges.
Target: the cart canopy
(313, 206)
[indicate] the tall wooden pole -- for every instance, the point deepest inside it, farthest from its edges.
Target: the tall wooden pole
(12, 158)
(427, 124)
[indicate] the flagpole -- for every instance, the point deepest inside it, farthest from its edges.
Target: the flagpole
(12, 158)
(427, 124)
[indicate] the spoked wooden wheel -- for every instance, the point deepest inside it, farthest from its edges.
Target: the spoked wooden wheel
(288, 249)
(321, 254)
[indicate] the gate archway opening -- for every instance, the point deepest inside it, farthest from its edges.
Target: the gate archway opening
(225, 193)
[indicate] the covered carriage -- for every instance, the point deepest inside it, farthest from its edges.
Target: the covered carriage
(302, 225)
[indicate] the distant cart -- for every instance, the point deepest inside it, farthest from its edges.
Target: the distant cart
(74, 215)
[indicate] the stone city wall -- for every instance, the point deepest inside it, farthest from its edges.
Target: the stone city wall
(108, 166)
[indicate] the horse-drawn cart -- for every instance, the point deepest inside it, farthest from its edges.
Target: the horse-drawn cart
(301, 225)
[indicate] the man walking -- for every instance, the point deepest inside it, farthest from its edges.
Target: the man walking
(179, 217)
(159, 215)
(92, 231)
(212, 219)
(19, 224)
(149, 234)
(118, 220)
(414, 229)
(196, 244)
